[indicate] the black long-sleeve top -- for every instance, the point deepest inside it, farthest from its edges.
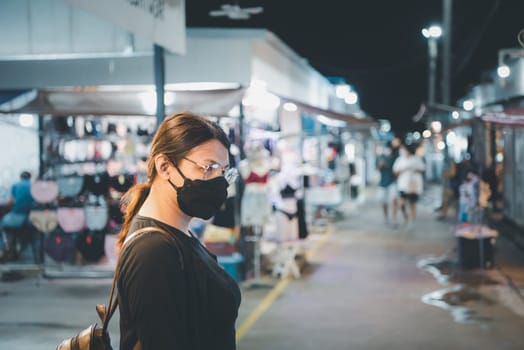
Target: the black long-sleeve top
(173, 295)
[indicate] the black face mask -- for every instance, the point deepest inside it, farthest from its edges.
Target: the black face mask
(201, 198)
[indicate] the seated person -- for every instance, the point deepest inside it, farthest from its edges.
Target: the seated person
(21, 202)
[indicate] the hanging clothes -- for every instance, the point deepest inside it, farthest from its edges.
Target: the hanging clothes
(226, 216)
(97, 184)
(255, 208)
(302, 225)
(286, 215)
(285, 191)
(256, 178)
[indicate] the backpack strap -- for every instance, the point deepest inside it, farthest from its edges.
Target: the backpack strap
(110, 308)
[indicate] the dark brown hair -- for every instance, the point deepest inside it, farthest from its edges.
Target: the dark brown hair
(411, 148)
(175, 137)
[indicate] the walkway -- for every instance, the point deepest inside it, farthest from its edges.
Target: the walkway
(361, 289)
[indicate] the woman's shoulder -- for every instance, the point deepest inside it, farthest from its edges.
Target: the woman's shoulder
(142, 224)
(148, 235)
(160, 233)
(153, 242)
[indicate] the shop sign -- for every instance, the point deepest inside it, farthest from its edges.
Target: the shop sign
(161, 21)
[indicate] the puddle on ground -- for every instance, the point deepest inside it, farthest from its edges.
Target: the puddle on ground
(447, 272)
(439, 267)
(460, 302)
(462, 298)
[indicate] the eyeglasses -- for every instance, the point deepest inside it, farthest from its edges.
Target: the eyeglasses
(212, 170)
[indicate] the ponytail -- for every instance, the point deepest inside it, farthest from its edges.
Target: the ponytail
(132, 202)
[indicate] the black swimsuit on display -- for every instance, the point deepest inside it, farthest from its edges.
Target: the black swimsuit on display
(121, 183)
(97, 184)
(288, 215)
(288, 192)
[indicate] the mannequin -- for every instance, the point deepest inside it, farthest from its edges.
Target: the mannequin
(255, 206)
(286, 190)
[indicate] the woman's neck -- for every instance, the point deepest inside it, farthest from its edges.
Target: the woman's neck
(162, 208)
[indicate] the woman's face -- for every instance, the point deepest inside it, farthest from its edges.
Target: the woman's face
(211, 154)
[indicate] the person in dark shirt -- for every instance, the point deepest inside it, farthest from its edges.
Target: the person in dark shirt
(387, 187)
(172, 293)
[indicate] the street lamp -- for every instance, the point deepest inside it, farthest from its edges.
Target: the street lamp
(432, 34)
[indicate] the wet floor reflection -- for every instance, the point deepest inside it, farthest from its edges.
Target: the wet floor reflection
(460, 301)
(441, 268)
(446, 272)
(462, 298)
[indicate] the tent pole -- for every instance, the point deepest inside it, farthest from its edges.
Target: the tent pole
(159, 83)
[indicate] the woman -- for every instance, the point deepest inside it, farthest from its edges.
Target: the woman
(408, 168)
(172, 294)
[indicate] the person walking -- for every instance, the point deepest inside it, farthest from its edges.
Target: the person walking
(387, 186)
(409, 169)
(172, 294)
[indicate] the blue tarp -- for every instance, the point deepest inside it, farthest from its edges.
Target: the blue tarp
(7, 95)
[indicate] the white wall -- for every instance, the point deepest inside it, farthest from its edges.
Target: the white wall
(52, 26)
(213, 55)
(287, 74)
(20, 151)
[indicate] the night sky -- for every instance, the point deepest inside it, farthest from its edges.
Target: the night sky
(377, 45)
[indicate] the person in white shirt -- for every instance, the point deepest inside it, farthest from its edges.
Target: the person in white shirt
(409, 169)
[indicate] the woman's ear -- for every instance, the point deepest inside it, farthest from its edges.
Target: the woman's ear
(162, 165)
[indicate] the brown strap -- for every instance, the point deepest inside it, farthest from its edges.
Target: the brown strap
(112, 303)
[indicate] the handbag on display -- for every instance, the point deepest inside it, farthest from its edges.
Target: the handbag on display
(70, 186)
(60, 247)
(71, 219)
(91, 245)
(44, 191)
(96, 216)
(121, 183)
(95, 337)
(97, 184)
(44, 220)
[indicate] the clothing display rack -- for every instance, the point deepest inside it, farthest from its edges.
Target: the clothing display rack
(82, 148)
(256, 281)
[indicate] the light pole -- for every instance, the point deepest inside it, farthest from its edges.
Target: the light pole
(432, 34)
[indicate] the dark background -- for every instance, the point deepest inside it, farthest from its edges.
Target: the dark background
(377, 45)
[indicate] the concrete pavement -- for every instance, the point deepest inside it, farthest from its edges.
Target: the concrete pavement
(367, 286)
(373, 287)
